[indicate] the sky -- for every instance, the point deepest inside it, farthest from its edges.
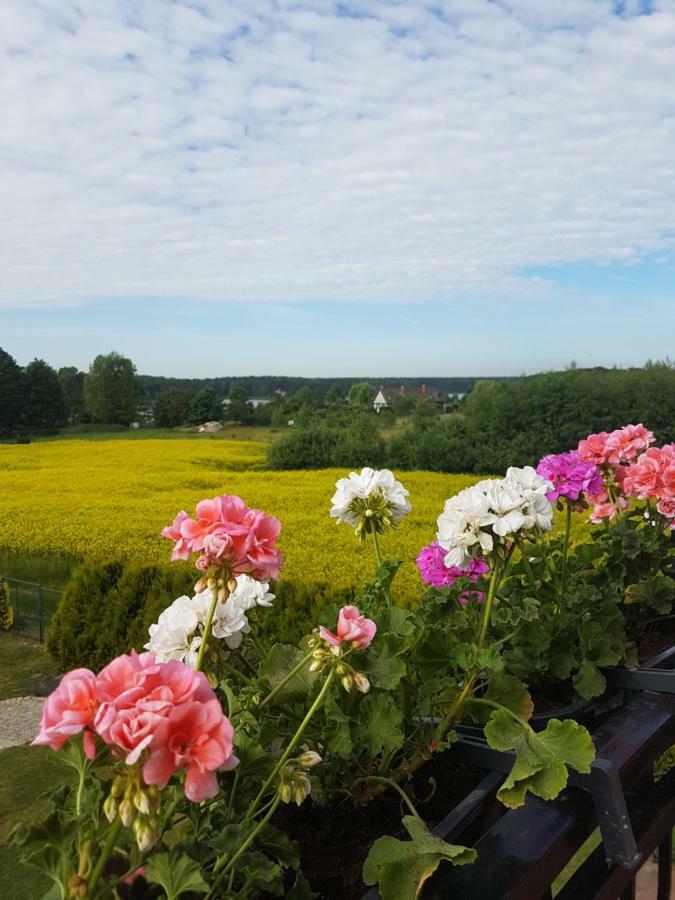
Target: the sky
(462, 187)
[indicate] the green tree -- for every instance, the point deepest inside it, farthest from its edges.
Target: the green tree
(206, 406)
(173, 407)
(334, 396)
(111, 391)
(361, 395)
(239, 409)
(72, 385)
(10, 391)
(44, 403)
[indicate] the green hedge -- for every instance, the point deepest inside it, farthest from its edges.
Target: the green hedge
(107, 607)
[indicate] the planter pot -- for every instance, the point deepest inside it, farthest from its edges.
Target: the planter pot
(522, 851)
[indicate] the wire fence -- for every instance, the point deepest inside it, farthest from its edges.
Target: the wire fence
(34, 605)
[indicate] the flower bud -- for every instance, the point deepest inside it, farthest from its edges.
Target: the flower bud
(222, 595)
(347, 683)
(145, 838)
(110, 808)
(285, 793)
(82, 890)
(154, 797)
(127, 812)
(200, 587)
(141, 802)
(361, 683)
(342, 669)
(299, 795)
(309, 759)
(316, 666)
(318, 654)
(118, 786)
(232, 585)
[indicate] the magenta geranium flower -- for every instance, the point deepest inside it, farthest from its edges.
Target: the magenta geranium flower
(431, 564)
(570, 475)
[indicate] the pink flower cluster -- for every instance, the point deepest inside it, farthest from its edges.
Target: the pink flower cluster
(652, 477)
(164, 711)
(352, 627)
(431, 564)
(615, 447)
(570, 475)
(227, 533)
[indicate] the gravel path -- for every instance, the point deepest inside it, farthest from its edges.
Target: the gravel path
(19, 720)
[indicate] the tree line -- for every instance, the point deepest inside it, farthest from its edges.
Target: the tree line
(498, 424)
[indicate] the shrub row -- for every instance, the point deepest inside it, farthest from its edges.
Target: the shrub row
(106, 610)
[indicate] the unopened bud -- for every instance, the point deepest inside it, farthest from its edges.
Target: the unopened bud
(347, 682)
(342, 669)
(370, 513)
(141, 802)
(309, 759)
(145, 838)
(200, 587)
(222, 595)
(232, 585)
(110, 808)
(285, 793)
(299, 795)
(118, 786)
(318, 654)
(154, 797)
(316, 666)
(127, 812)
(361, 683)
(82, 890)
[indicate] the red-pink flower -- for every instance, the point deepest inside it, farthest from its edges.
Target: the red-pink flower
(69, 710)
(653, 477)
(607, 510)
(625, 444)
(196, 737)
(351, 627)
(594, 448)
(229, 534)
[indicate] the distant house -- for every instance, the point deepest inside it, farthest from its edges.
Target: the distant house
(384, 397)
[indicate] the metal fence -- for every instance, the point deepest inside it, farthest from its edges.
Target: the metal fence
(34, 605)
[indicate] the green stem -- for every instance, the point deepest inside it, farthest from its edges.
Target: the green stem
(80, 789)
(378, 557)
(487, 608)
(527, 567)
(108, 847)
(230, 802)
(566, 547)
(494, 705)
(282, 684)
(207, 629)
(295, 740)
(244, 847)
(406, 799)
(235, 672)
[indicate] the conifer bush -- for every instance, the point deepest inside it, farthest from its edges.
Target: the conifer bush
(6, 609)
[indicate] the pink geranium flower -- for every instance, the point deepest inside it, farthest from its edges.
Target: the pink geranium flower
(69, 710)
(570, 475)
(432, 568)
(227, 533)
(351, 627)
(653, 477)
(195, 737)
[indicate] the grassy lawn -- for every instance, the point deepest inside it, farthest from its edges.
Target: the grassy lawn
(24, 667)
(25, 772)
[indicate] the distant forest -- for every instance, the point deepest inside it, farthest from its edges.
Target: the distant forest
(264, 386)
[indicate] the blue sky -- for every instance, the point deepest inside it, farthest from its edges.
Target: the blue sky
(319, 188)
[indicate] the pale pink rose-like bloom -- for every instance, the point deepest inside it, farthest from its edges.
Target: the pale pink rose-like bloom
(196, 737)
(181, 549)
(666, 508)
(607, 510)
(625, 444)
(351, 627)
(227, 533)
(594, 448)
(203, 563)
(69, 710)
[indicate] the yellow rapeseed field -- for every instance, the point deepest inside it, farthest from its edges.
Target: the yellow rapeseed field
(112, 498)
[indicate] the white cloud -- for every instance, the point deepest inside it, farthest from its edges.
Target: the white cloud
(277, 151)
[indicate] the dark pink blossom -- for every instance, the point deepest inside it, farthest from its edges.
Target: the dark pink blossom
(570, 475)
(431, 564)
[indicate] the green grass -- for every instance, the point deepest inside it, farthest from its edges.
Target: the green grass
(24, 666)
(25, 773)
(229, 432)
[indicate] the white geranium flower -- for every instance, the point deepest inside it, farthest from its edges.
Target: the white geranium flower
(506, 505)
(172, 635)
(351, 499)
(249, 593)
(527, 481)
(462, 524)
(229, 622)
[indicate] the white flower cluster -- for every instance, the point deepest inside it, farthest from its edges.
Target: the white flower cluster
(177, 634)
(493, 509)
(368, 483)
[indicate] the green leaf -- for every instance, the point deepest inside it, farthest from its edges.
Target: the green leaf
(281, 659)
(508, 691)
(434, 653)
(657, 592)
(301, 889)
(381, 717)
(254, 761)
(589, 680)
(542, 758)
(382, 665)
(177, 874)
(337, 732)
(400, 868)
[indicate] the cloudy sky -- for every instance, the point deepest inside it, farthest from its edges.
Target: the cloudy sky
(456, 187)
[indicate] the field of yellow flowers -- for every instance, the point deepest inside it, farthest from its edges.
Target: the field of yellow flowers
(111, 499)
